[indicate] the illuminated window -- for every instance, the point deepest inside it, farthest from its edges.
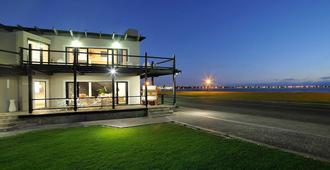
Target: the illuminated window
(39, 56)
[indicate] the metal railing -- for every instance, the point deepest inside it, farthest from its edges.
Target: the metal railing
(58, 57)
(90, 102)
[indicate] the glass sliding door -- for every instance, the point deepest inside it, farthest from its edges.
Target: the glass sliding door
(122, 92)
(40, 53)
(39, 94)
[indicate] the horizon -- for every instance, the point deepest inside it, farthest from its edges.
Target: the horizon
(236, 42)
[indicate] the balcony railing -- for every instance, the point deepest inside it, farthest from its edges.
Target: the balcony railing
(111, 58)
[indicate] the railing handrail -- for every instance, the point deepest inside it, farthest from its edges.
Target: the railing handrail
(130, 55)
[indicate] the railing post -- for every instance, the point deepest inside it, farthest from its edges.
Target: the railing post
(30, 97)
(21, 55)
(113, 80)
(30, 54)
(75, 58)
(113, 91)
(146, 78)
(174, 80)
(48, 57)
(29, 72)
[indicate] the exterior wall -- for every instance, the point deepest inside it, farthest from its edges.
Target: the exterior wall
(8, 91)
(8, 42)
(57, 82)
(61, 42)
(22, 38)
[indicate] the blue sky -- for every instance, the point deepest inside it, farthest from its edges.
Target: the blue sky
(239, 41)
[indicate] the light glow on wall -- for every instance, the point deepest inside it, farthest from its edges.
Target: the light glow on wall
(76, 43)
(116, 44)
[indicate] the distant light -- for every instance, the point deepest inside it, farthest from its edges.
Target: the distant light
(208, 81)
(113, 71)
(147, 83)
(75, 43)
(116, 44)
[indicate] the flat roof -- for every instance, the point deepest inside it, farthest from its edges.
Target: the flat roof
(71, 33)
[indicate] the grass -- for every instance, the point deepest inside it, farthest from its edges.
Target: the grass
(161, 146)
(262, 96)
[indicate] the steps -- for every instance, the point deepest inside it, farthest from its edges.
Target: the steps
(7, 121)
(160, 111)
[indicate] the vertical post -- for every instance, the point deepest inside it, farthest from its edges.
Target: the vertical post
(30, 54)
(75, 58)
(113, 90)
(113, 79)
(21, 54)
(174, 80)
(146, 79)
(152, 77)
(48, 55)
(29, 72)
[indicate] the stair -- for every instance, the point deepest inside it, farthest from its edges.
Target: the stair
(160, 111)
(7, 121)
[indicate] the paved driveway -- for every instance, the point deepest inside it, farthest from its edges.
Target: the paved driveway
(295, 135)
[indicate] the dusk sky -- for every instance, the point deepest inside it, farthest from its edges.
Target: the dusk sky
(239, 41)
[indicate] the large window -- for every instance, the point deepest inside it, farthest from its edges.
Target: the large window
(37, 55)
(94, 56)
(98, 93)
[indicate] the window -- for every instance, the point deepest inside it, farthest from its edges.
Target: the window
(82, 56)
(98, 56)
(39, 56)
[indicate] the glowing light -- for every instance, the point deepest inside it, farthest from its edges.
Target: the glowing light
(113, 71)
(147, 83)
(75, 43)
(208, 81)
(116, 44)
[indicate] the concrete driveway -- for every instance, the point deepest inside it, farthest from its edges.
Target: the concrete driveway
(308, 138)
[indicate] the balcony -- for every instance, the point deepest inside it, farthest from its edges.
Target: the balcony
(95, 60)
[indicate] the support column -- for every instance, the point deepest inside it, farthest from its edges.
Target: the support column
(174, 80)
(75, 90)
(146, 79)
(29, 72)
(113, 79)
(113, 90)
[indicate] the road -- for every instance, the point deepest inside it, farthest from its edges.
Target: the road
(303, 128)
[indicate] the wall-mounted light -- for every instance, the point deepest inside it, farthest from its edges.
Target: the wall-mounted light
(116, 44)
(75, 43)
(113, 71)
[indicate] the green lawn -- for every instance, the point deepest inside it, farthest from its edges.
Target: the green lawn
(161, 146)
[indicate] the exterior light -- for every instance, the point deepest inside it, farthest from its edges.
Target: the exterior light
(147, 83)
(208, 81)
(113, 71)
(75, 43)
(116, 44)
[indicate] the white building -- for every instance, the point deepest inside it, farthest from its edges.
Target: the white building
(44, 69)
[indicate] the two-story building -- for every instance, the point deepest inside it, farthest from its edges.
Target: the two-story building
(64, 70)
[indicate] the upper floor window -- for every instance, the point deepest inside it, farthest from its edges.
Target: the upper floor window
(39, 56)
(102, 56)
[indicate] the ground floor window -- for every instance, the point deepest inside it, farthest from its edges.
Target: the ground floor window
(98, 93)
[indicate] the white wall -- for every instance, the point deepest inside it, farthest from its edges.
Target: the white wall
(8, 42)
